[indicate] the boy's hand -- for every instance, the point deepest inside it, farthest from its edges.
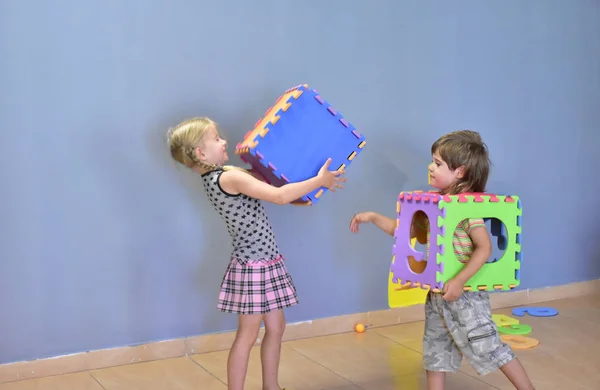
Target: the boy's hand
(453, 289)
(357, 219)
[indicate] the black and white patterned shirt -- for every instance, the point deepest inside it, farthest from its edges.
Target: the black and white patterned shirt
(246, 220)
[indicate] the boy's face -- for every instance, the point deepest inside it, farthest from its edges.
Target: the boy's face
(214, 148)
(440, 175)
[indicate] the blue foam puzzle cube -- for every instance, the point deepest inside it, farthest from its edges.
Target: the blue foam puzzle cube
(295, 138)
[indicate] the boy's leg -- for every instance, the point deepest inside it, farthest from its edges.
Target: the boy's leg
(516, 374)
(436, 380)
(440, 354)
(476, 334)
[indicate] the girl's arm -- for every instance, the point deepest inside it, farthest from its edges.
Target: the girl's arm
(235, 182)
(256, 174)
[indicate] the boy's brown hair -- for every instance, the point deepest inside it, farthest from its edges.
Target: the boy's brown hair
(465, 148)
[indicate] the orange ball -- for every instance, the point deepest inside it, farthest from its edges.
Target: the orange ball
(359, 328)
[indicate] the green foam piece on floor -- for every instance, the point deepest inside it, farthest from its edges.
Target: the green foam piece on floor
(515, 329)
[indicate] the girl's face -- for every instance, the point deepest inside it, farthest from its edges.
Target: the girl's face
(214, 148)
(440, 175)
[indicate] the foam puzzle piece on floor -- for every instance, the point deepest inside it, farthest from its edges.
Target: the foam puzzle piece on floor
(520, 342)
(515, 329)
(295, 138)
(535, 311)
(445, 213)
(504, 320)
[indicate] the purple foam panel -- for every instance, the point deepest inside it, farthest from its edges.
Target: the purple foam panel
(410, 203)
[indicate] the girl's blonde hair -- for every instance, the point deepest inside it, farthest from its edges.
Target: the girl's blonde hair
(184, 138)
(465, 148)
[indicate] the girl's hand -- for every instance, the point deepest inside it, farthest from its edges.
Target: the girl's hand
(330, 179)
(453, 289)
(357, 219)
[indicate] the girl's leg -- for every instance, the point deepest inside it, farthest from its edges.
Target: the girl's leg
(271, 349)
(237, 363)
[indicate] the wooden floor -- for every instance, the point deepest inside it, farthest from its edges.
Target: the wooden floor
(380, 359)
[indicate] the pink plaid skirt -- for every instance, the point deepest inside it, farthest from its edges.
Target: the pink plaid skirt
(256, 287)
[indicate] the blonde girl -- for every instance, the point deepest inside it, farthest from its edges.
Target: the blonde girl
(459, 323)
(256, 286)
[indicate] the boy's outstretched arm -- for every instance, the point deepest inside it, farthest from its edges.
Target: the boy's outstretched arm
(384, 223)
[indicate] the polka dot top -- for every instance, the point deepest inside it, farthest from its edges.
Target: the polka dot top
(246, 220)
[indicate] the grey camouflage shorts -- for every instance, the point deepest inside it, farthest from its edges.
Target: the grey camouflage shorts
(463, 327)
